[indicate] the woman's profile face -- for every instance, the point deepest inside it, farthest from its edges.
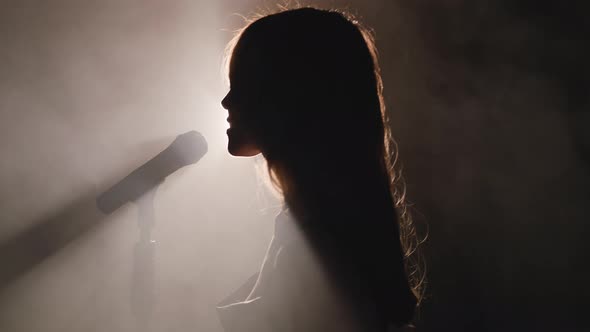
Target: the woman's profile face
(243, 104)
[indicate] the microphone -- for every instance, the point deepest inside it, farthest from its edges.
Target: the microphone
(186, 149)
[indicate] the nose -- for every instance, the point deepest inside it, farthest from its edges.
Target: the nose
(225, 102)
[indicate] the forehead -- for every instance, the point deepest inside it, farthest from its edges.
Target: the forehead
(245, 61)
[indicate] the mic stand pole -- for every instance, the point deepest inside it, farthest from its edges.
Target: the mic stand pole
(143, 277)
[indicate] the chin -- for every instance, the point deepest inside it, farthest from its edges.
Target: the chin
(242, 151)
(241, 148)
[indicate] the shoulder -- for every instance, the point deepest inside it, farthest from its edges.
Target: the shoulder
(304, 292)
(295, 267)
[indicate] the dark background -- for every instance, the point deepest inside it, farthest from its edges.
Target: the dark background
(488, 101)
(491, 112)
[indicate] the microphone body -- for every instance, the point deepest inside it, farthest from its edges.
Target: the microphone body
(185, 150)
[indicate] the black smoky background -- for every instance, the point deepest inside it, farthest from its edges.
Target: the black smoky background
(489, 102)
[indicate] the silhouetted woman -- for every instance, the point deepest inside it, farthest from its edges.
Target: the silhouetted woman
(306, 93)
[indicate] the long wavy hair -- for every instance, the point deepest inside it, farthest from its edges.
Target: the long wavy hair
(323, 130)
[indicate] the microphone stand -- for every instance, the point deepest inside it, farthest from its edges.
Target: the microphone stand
(143, 276)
